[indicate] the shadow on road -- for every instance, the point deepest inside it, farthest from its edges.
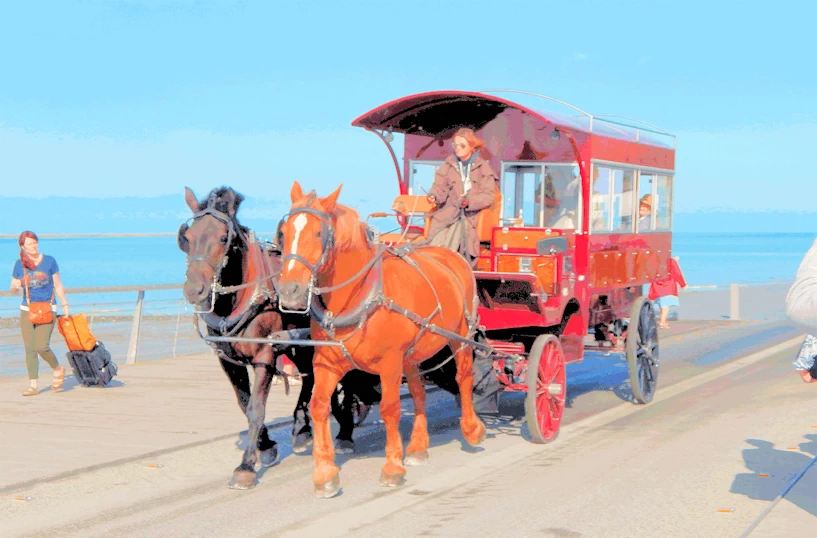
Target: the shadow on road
(771, 471)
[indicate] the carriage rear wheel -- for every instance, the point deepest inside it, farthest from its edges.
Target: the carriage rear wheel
(547, 388)
(642, 350)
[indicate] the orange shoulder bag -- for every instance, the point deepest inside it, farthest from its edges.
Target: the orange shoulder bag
(39, 313)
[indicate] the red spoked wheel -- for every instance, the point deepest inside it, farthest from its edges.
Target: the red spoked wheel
(547, 388)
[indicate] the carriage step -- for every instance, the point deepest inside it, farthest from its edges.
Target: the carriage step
(507, 348)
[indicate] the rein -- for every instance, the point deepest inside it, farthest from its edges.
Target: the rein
(375, 298)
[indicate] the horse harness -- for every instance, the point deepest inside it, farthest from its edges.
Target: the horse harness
(375, 298)
(263, 297)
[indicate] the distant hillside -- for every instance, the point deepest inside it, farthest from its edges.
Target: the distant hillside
(166, 213)
(132, 215)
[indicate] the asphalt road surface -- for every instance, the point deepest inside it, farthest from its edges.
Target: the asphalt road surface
(730, 426)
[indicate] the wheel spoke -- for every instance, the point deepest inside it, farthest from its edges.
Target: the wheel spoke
(549, 394)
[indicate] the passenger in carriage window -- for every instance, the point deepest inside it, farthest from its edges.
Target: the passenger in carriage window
(644, 211)
(567, 214)
(464, 185)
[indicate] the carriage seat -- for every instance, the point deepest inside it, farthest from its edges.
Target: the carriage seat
(413, 205)
(488, 218)
(410, 204)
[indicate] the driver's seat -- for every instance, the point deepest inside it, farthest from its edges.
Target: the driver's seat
(488, 218)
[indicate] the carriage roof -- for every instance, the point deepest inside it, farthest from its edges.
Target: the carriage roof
(429, 114)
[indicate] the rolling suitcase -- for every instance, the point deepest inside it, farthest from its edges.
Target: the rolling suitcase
(92, 368)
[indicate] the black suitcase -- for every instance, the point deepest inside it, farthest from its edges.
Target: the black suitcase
(92, 368)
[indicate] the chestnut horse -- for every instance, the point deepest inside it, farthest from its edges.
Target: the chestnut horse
(229, 280)
(387, 307)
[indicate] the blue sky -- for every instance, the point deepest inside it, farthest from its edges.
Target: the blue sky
(140, 98)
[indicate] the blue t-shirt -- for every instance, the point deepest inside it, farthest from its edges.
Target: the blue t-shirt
(40, 279)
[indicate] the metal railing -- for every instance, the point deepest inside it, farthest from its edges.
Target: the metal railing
(735, 293)
(125, 324)
(148, 327)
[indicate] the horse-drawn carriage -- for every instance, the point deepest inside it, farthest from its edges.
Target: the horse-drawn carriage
(564, 253)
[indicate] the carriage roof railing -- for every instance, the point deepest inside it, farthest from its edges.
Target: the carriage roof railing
(609, 120)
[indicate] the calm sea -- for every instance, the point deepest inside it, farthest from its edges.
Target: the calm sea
(706, 259)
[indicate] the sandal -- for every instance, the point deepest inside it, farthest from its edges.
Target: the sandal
(59, 378)
(30, 391)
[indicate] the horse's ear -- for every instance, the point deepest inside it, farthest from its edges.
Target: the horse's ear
(296, 193)
(233, 199)
(190, 198)
(331, 201)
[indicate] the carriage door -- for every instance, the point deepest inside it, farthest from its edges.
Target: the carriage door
(523, 193)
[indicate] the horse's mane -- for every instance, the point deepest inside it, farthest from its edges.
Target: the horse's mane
(221, 202)
(350, 232)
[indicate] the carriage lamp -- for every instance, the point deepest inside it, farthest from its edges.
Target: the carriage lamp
(555, 135)
(525, 265)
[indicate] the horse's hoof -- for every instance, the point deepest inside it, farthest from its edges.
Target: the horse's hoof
(477, 435)
(242, 480)
(392, 480)
(269, 457)
(301, 443)
(342, 446)
(327, 490)
(416, 459)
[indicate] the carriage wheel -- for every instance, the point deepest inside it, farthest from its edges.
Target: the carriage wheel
(642, 350)
(547, 388)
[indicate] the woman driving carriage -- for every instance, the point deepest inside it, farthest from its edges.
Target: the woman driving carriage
(464, 185)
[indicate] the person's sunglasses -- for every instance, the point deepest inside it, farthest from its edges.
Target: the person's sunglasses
(456, 145)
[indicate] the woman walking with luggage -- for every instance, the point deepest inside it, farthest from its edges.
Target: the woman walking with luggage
(39, 278)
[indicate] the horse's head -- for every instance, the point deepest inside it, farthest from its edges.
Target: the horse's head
(206, 239)
(305, 236)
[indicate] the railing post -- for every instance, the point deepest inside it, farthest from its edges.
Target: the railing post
(734, 302)
(133, 345)
(176, 332)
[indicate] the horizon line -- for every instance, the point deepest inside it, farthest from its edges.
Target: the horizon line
(259, 234)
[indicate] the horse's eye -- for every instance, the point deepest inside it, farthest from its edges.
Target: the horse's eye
(224, 239)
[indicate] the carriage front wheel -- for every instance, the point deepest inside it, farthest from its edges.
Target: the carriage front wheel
(547, 388)
(642, 350)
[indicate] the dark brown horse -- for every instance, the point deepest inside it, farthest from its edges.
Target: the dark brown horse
(230, 282)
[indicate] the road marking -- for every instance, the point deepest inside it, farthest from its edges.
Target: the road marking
(347, 521)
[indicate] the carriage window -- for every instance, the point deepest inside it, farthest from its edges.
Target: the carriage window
(663, 212)
(646, 203)
(422, 176)
(541, 195)
(623, 191)
(522, 193)
(600, 214)
(562, 208)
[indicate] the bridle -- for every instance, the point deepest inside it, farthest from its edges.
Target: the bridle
(327, 242)
(231, 235)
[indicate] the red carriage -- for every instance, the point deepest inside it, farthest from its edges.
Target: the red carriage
(581, 222)
(565, 250)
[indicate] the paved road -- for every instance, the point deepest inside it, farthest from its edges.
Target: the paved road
(726, 412)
